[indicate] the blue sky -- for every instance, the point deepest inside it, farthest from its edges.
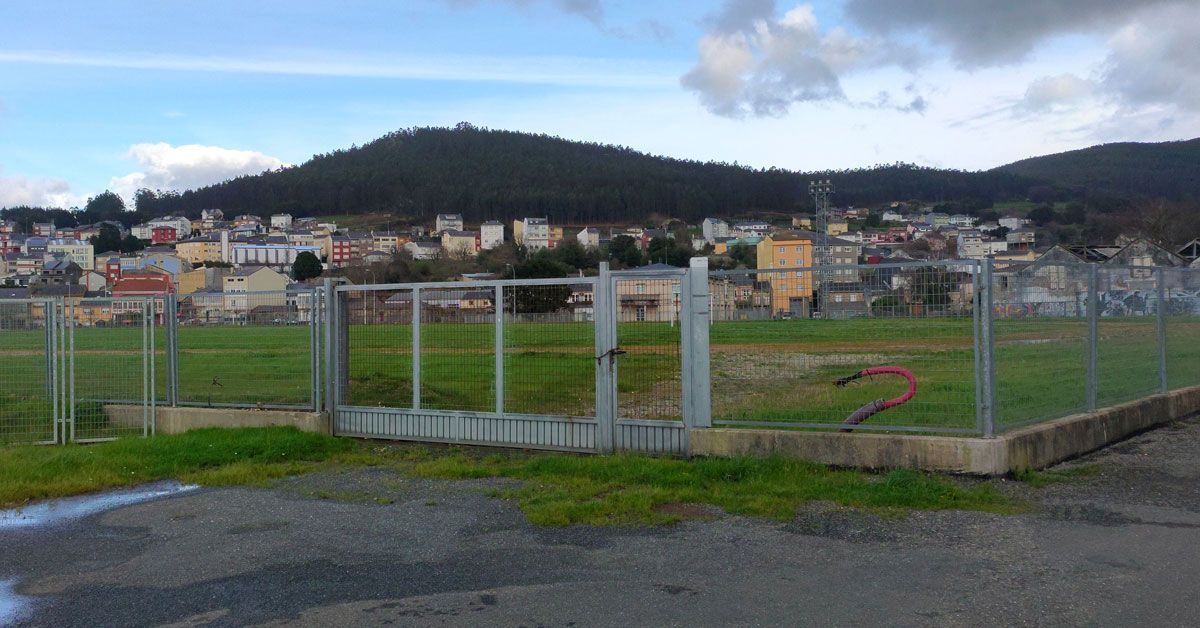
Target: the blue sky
(174, 94)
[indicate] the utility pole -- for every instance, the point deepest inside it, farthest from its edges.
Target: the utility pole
(820, 192)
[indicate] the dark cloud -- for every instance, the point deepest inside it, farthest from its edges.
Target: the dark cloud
(981, 33)
(1155, 59)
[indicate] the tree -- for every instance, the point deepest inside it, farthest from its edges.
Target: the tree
(109, 239)
(131, 244)
(104, 206)
(306, 266)
(1042, 216)
(624, 250)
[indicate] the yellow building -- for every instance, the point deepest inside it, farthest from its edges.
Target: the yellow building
(791, 292)
(199, 250)
(837, 227)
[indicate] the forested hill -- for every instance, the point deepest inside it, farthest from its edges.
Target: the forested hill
(487, 174)
(1168, 169)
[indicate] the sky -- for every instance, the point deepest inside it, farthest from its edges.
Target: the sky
(124, 94)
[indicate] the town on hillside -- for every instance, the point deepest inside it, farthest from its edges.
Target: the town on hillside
(222, 267)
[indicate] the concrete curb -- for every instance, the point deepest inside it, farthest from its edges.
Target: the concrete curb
(1033, 447)
(176, 420)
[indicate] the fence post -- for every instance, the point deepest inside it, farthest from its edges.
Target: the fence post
(171, 323)
(988, 345)
(602, 318)
(416, 348)
(342, 345)
(329, 306)
(314, 344)
(499, 307)
(1161, 280)
(696, 345)
(1093, 320)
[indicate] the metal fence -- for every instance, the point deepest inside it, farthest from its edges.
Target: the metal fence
(245, 349)
(625, 360)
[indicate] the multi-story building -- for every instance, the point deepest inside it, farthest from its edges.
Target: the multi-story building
(279, 255)
(423, 250)
(206, 248)
(281, 222)
(163, 234)
(342, 250)
(43, 229)
(460, 244)
(791, 291)
(81, 253)
(445, 222)
(714, 228)
(532, 233)
(589, 237)
(491, 235)
(1020, 239)
(384, 241)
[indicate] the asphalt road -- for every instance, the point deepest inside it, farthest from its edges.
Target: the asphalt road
(372, 547)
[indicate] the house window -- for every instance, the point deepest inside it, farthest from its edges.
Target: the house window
(782, 263)
(782, 250)
(837, 298)
(641, 288)
(641, 313)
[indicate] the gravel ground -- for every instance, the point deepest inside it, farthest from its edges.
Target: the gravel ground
(1118, 547)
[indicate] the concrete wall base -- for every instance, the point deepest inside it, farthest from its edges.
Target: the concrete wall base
(178, 420)
(1033, 447)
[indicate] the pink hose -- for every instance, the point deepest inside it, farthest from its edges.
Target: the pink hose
(879, 405)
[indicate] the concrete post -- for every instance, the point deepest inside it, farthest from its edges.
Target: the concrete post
(602, 317)
(416, 348)
(698, 380)
(988, 354)
(499, 368)
(329, 307)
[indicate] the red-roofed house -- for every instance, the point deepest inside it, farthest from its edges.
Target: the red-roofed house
(128, 293)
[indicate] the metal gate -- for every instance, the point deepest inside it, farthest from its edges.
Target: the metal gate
(591, 364)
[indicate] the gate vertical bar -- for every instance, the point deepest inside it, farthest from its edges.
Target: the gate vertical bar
(60, 308)
(697, 345)
(416, 348)
(988, 343)
(342, 347)
(170, 336)
(313, 346)
(153, 304)
(1093, 313)
(329, 305)
(145, 372)
(499, 307)
(977, 341)
(50, 314)
(602, 319)
(1161, 280)
(71, 370)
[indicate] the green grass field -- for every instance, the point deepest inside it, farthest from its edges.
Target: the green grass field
(778, 371)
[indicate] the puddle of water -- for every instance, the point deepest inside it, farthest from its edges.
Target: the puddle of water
(72, 508)
(13, 607)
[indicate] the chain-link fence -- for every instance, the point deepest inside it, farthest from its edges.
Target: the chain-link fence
(649, 324)
(29, 393)
(777, 358)
(247, 349)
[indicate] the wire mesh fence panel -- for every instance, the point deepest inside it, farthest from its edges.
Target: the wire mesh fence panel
(649, 384)
(1182, 288)
(26, 373)
(246, 348)
(458, 351)
(775, 359)
(1127, 343)
(109, 366)
(1040, 341)
(380, 348)
(548, 344)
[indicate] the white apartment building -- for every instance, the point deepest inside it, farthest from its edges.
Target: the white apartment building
(281, 221)
(714, 228)
(445, 222)
(491, 234)
(533, 233)
(589, 237)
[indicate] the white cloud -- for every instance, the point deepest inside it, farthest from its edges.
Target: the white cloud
(1155, 59)
(563, 71)
(754, 63)
(19, 190)
(168, 167)
(1051, 93)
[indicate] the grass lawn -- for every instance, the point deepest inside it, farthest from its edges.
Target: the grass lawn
(555, 489)
(779, 371)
